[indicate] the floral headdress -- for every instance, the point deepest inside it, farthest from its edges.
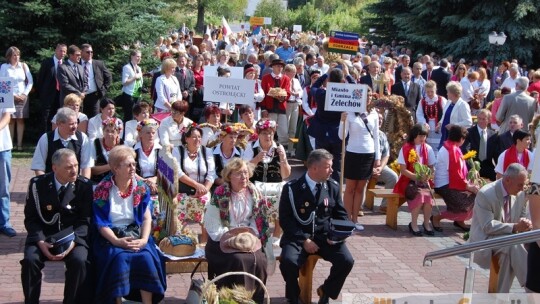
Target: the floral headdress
(266, 124)
(189, 127)
(112, 122)
(229, 129)
(149, 122)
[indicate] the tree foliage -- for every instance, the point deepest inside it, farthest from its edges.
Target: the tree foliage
(460, 27)
(273, 9)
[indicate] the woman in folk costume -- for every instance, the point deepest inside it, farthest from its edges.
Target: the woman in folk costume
(517, 153)
(451, 181)
(413, 151)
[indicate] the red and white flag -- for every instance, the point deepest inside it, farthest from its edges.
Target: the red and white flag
(226, 30)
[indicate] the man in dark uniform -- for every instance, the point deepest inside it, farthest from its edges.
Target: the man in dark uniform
(305, 209)
(56, 201)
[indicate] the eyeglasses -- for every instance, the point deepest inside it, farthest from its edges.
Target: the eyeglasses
(240, 173)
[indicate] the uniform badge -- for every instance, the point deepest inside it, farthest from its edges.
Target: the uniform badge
(49, 207)
(306, 204)
(304, 186)
(302, 210)
(68, 207)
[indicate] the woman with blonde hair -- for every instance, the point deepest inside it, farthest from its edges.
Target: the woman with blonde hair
(167, 87)
(73, 101)
(22, 85)
(459, 73)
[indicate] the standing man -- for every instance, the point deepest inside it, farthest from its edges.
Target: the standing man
(186, 80)
(405, 61)
(71, 75)
(285, 51)
(374, 69)
(277, 105)
(98, 80)
(519, 103)
(57, 201)
(441, 76)
(6, 145)
(48, 86)
(407, 89)
(477, 140)
(500, 209)
(306, 207)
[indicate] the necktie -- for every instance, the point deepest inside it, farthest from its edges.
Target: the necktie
(428, 76)
(86, 74)
(318, 188)
(302, 80)
(507, 208)
(61, 193)
(406, 86)
(482, 149)
(56, 75)
(183, 74)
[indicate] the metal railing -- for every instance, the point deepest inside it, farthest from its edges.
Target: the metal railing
(503, 241)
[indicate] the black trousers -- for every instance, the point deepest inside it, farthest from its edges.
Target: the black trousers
(128, 102)
(75, 289)
(293, 256)
(48, 110)
(91, 104)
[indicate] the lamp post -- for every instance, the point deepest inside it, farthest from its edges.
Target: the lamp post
(496, 39)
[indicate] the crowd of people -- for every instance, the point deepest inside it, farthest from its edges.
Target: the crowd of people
(233, 158)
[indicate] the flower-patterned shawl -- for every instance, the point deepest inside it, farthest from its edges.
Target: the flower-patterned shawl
(102, 204)
(222, 197)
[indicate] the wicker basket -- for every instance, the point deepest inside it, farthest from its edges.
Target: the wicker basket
(221, 276)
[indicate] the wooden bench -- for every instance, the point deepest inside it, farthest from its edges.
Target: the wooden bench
(370, 198)
(305, 280)
(394, 201)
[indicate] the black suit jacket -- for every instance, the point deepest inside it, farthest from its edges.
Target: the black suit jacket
(46, 83)
(307, 79)
(102, 77)
(497, 143)
(304, 204)
(42, 203)
(441, 78)
(187, 83)
(70, 81)
(367, 80)
(472, 142)
(414, 96)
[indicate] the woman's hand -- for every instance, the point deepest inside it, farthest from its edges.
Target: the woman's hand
(259, 157)
(343, 116)
(138, 244)
(153, 186)
(124, 242)
(200, 190)
(472, 188)
(281, 153)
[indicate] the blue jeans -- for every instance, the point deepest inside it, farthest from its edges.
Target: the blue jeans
(5, 179)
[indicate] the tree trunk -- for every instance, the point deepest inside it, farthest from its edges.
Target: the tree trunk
(200, 17)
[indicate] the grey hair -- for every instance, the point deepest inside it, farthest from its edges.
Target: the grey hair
(318, 155)
(64, 114)
(522, 83)
(516, 117)
(298, 60)
(454, 87)
(515, 170)
(59, 156)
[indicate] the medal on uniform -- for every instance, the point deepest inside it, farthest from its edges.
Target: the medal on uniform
(302, 210)
(326, 204)
(306, 204)
(304, 186)
(49, 207)
(68, 207)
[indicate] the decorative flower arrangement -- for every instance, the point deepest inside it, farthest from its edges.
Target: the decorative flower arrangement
(265, 124)
(149, 122)
(474, 172)
(112, 122)
(395, 167)
(189, 127)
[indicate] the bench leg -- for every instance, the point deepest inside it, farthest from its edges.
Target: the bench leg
(370, 198)
(493, 275)
(391, 212)
(305, 280)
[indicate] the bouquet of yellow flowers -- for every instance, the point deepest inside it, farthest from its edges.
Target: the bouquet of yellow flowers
(423, 172)
(395, 167)
(474, 172)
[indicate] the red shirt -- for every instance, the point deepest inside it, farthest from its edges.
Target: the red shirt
(267, 83)
(534, 87)
(199, 76)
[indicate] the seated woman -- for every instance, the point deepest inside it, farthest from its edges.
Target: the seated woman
(451, 181)
(126, 260)
(146, 153)
(141, 111)
(517, 153)
(95, 127)
(210, 129)
(170, 129)
(196, 176)
(73, 101)
(226, 150)
(112, 128)
(237, 204)
(416, 150)
(272, 168)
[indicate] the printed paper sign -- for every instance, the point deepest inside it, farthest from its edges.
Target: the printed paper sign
(297, 28)
(267, 20)
(256, 21)
(221, 89)
(211, 71)
(346, 97)
(6, 92)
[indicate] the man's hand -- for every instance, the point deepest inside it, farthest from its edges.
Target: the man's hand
(523, 225)
(310, 246)
(44, 247)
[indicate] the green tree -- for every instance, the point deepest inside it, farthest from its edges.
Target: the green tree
(273, 9)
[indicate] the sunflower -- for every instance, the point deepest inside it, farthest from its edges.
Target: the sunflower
(470, 154)
(412, 156)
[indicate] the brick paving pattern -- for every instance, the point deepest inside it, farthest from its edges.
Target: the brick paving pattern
(387, 261)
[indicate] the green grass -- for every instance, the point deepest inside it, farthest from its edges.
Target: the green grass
(24, 157)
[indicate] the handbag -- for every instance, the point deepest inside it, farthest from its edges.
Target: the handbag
(184, 188)
(131, 230)
(195, 288)
(411, 191)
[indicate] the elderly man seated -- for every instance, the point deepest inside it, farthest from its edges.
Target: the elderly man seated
(501, 209)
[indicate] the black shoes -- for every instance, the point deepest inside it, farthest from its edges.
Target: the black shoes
(464, 228)
(428, 232)
(438, 229)
(10, 232)
(323, 297)
(415, 233)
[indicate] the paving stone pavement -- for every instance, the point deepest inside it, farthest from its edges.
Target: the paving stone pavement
(386, 260)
